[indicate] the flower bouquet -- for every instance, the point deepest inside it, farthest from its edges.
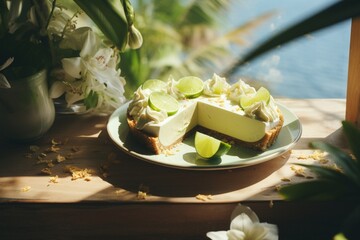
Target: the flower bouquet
(79, 42)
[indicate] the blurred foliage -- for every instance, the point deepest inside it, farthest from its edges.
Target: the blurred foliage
(183, 38)
(341, 183)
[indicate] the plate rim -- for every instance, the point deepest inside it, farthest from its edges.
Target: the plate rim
(278, 152)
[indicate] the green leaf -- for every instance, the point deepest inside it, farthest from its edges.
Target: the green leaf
(335, 13)
(343, 160)
(352, 134)
(129, 12)
(327, 173)
(91, 100)
(136, 72)
(312, 190)
(108, 18)
(345, 182)
(204, 12)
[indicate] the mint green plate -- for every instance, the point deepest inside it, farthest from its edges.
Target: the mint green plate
(184, 155)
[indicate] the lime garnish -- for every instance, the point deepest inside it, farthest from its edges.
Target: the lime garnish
(161, 101)
(210, 147)
(154, 85)
(190, 86)
(261, 95)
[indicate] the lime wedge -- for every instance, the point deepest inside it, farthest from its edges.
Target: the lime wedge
(190, 86)
(161, 101)
(209, 147)
(261, 95)
(154, 85)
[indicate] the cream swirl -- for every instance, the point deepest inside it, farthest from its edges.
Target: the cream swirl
(261, 110)
(173, 90)
(139, 102)
(142, 113)
(268, 112)
(149, 116)
(238, 89)
(216, 86)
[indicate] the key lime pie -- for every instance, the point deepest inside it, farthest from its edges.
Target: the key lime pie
(162, 113)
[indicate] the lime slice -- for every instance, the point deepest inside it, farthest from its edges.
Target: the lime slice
(161, 101)
(190, 86)
(261, 95)
(154, 85)
(209, 147)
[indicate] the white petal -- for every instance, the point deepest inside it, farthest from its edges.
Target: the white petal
(272, 231)
(72, 66)
(57, 89)
(58, 22)
(7, 63)
(244, 209)
(236, 235)
(220, 235)
(91, 44)
(75, 40)
(258, 232)
(32, 16)
(72, 98)
(242, 222)
(104, 55)
(4, 83)
(262, 231)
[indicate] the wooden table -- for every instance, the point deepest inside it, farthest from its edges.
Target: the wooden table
(39, 197)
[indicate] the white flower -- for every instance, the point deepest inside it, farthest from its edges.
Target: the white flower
(246, 226)
(61, 23)
(81, 39)
(93, 76)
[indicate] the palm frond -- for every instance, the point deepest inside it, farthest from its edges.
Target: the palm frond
(313, 190)
(199, 60)
(331, 15)
(343, 160)
(187, 42)
(345, 182)
(204, 12)
(215, 53)
(170, 12)
(240, 32)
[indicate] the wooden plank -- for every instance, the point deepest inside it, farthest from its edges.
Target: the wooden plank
(117, 176)
(107, 207)
(353, 86)
(106, 220)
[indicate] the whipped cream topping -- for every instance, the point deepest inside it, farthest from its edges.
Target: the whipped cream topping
(239, 89)
(140, 110)
(173, 90)
(217, 88)
(266, 112)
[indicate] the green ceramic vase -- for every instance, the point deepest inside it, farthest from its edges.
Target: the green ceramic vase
(26, 110)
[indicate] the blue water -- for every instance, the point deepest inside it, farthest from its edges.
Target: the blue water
(314, 66)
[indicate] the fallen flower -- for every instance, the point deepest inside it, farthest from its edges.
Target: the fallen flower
(246, 226)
